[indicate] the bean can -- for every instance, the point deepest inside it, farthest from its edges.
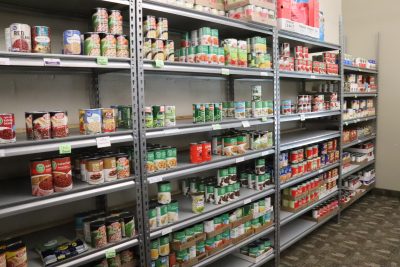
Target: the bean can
(209, 112)
(122, 46)
(169, 48)
(115, 21)
(59, 124)
(170, 116)
(91, 44)
(216, 145)
(150, 165)
(206, 151)
(147, 52)
(160, 159)
(41, 125)
(41, 39)
(217, 111)
(62, 174)
(123, 166)
(108, 45)
(199, 114)
(98, 234)
(172, 161)
(230, 146)
(173, 211)
(114, 231)
(100, 20)
(72, 42)
(41, 177)
(148, 117)
(110, 168)
(94, 171)
(7, 128)
(149, 27)
(20, 36)
(158, 116)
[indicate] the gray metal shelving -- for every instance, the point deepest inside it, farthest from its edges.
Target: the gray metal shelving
(354, 69)
(353, 121)
(308, 76)
(310, 115)
(359, 141)
(300, 138)
(356, 95)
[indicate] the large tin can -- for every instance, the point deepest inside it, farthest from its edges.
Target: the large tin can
(169, 50)
(108, 120)
(41, 177)
(41, 125)
(122, 46)
(196, 153)
(100, 20)
(7, 128)
(157, 49)
(108, 45)
(162, 28)
(115, 21)
(150, 27)
(41, 39)
(125, 117)
(199, 114)
(20, 35)
(147, 52)
(62, 174)
(91, 44)
(72, 42)
(59, 124)
(92, 119)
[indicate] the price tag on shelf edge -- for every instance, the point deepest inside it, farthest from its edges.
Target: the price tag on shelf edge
(52, 62)
(166, 231)
(103, 142)
(264, 153)
(4, 61)
(241, 159)
(313, 77)
(65, 149)
(224, 71)
(110, 253)
(216, 127)
(155, 179)
(264, 119)
(263, 73)
(171, 131)
(102, 60)
(320, 171)
(159, 63)
(2, 153)
(302, 117)
(247, 201)
(246, 124)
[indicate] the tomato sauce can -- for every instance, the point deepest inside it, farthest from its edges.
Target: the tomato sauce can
(41, 177)
(41, 39)
(315, 150)
(122, 46)
(196, 153)
(91, 44)
(59, 124)
(108, 120)
(108, 45)
(123, 166)
(7, 128)
(206, 151)
(294, 156)
(94, 171)
(20, 37)
(62, 174)
(41, 125)
(309, 152)
(100, 20)
(115, 21)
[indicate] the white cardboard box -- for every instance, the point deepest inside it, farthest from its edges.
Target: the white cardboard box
(292, 26)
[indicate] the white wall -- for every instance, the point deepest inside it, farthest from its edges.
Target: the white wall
(363, 22)
(332, 11)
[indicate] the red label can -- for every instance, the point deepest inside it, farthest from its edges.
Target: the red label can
(300, 154)
(295, 170)
(315, 151)
(196, 153)
(309, 152)
(59, 124)
(7, 128)
(294, 156)
(40, 125)
(62, 174)
(41, 177)
(301, 168)
(206, 151)
(309, 165)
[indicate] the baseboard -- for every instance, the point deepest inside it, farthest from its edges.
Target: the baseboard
(385, 192)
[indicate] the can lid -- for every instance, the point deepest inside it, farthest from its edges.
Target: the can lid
(112, 218)
(97, 223)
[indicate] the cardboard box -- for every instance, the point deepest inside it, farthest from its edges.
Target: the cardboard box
(300, 11)
(292, 26)
(284, 9)
(232, 4)
(259, 18)
(313, 15)
(217, 4)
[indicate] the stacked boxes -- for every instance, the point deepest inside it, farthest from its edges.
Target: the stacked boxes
(262, 11)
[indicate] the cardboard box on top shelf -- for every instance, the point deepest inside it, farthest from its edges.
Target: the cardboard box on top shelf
(284, 10)
(300, 11)
(232, 4)
(257, 17)
(217, 4)
(292, 26)
(313, 15)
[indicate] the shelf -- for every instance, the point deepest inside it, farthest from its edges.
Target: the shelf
(188, 127)
(309, 76)
(306, 137)
(187, 168)
(347, 122)
(313, 44)
(359, 168)
(300, 179)
(356, 198)
(359, 141)
(231, 248)
(309, 115)
(348, 68)
(16, 195)
(186, 19)
(187, 217)
(76, 140)
(287, 217)
(36, 60)
(206, 69)
(297, 229)
(356, 95)
(238, 262)
(68, 231)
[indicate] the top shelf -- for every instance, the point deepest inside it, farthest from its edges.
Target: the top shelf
(352, 69)
(314, 45)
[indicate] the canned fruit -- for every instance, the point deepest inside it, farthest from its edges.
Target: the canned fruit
(20, 36)
(72, 42)
(7, 128)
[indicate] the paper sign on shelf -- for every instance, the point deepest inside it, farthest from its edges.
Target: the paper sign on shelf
(216, 127)
(159, 63)
(110, 253)
(155, 179)
(224, 71)
(246, 124)
(65, 149)
(103, 142)
(313, 77)
(241, 159)
(247, 201)
(264, 153)
(264, 73)
(302, 117)
(166, 231)
(52, 62)
(4, 61)
(264, 119)
(171, 131)
(102, 60)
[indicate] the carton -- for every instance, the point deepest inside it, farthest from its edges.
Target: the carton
(232, 4)
(217, 4)
(284, 9)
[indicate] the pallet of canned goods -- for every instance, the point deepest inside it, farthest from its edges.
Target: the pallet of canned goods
(160, 158)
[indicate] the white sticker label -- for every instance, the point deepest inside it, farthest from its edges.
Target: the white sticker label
(225, 71)
(346, 123)
(264, 153)
(313, 77)
(246, 124)
(359, 141)
(2, 153)
(216, 127)
(241, 159)
(302, 117)
(247, 201)
(171, 131)
(155, 179)
(264, 73)
(166, 231)
(52, 62)
(4, 61)
(103, 142)
(320, 171)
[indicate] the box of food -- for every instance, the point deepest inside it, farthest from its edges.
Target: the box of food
(232, 4)
(217, 4)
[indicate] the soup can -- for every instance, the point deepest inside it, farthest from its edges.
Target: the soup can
(59, 124)
(72, 44)
(100, 20)
(41, 39)
(20, 36)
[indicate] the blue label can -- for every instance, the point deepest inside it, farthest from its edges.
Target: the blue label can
(72, 42)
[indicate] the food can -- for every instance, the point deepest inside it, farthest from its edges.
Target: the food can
(108, 45)
(172, 161)
(127, 258)
(201, 54)
(217, 111)
(91, 44)
(92, 121)
(100, 20)
(241, 144)
(7, 128)
(72, 42)
(229, 146)
(108, 120)
(115, 22)
(216, 145)
(170, 116)
(248, 110)
(199, 114)
(158, 116)
(122, 46)
(20, 37)
(231, 109)
(154, 249)
(209, 112)
(41, 125)
(152, 214)
(191, 54)
(196, 153)
(232, 175)
(257, 109)
(169, 49)
(198, 203)
(150, 165)
(160, 159)
(94, 171)
(185, 40)
(123, 165)
(125, 117)
(256, 93)
(62, 174)
(223, 177)
(162, 215)
(16, 255)
(147, 52)
(240, 110)
(219, 194)
(113, 228)
(41, 177)
(149, 27)
(28, 125)
(206, 151)
(127, 224)
(110, 168)
(164, 192)
(59, 124)
(162, 28)
(182, 255)
(164, 246)
(173, 211)
(41, 39)
(157, 49)
(148, 117)
(210, 193)
(98, 234)
(221, 56)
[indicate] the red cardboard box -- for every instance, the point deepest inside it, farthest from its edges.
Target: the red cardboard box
(313, 14)
(300, 10)
(284, 9)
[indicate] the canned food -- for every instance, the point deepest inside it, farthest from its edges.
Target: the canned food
(41, 177)
(164, 192)
(150, 165)
(164, 246)
(91, 44)
(199, 114)
(157, 49)
(152, 214)
(160, 159)
(108, 45)
(123, 166)
(173, 211)
(125, 117)
(217, 111)
(59, 124)
(216, 145)
(172, 161)
(115, 21)
(162, 215)
(122, 46)
(196, 153)
(16, 255)
(209, 112)
(62, 174)
(7, 128)
(149, 27)
(72, 42)
(240, 110)
(100, 20)
(170, 116)
(113, 227)
(198, 202)
(230, 146)
(206, 151)
(162, 28)
(98, 234)
(108, 120)
(41, 39)
(41, 125)
(20, 36)
(158, 116)
(92, 121)
(110, 168)
(94, 171)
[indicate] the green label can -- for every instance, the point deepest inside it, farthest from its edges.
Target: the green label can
(152, 214)
(180, 236)
(91, 44)
(217, 111)
(198, 228)
(230, 146)
(232, 174)
(199, 114)
(160, 161)
(158, 116)
(248, 109)
(225, 107)
(172, 161)
(150, 165)
(148, 117)
(210, 193)
(200, 248)
(182, 255)
(170, 116)
(173, 211)
(209, 112)
(257, 107)
(125, 117)
(223, 177)
(108, 45)
(231, 109)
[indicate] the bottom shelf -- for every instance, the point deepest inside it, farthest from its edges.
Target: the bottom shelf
(360, 194)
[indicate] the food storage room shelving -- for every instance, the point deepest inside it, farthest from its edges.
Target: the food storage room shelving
(161, 170)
